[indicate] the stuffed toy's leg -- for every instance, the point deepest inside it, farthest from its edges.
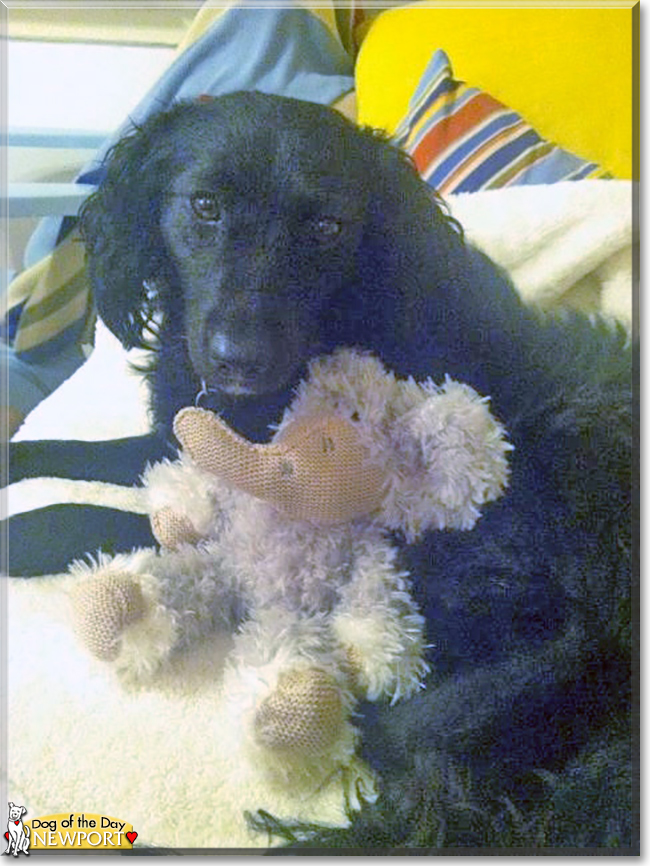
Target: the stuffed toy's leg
(134, 609)
(379, 626)
(289, 696)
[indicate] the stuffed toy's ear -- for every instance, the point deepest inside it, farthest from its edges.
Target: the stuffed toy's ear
(317, 469)
(452, 459)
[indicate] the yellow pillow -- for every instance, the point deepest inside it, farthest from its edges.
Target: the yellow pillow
(568, 71)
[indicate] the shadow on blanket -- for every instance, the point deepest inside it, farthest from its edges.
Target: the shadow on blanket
(523, 736)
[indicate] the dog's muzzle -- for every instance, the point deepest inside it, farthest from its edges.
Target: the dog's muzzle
(245, 367)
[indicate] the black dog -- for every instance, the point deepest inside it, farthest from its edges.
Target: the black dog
(239, 238)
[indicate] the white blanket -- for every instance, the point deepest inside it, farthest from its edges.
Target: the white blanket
(565, 245)
(164, 759)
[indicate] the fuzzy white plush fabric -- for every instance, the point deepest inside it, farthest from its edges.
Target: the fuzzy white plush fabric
(175, 747)
(564, 244)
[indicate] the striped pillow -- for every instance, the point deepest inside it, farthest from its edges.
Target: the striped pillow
(462, 139)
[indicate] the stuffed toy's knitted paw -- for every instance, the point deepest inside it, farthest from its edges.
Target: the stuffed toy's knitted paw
(304, 715)
(103, 608)
(172, 529)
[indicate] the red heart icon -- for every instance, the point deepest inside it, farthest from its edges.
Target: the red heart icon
(16, 822)
(6, 835)
(131, 836)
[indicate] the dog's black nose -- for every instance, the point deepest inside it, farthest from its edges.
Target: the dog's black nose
(236, 367)
(232, 363)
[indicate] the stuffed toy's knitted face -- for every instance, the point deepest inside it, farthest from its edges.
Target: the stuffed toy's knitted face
(317, 468)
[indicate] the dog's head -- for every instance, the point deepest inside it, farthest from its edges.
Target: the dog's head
(16, 812)
(249, 223)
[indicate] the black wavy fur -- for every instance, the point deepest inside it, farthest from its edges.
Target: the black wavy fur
(253, 214)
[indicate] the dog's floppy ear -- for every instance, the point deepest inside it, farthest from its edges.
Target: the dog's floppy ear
(412, 244)
(120, 225)
(406, 206)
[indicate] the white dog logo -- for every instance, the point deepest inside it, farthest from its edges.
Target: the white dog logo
(17, 834)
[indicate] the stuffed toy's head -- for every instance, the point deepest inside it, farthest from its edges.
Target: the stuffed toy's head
(359, 443)
(317, 468)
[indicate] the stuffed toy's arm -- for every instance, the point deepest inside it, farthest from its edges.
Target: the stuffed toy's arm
(186, 504)
(450, 460)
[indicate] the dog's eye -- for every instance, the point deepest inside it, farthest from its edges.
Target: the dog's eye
(206, 206)
(326, 228)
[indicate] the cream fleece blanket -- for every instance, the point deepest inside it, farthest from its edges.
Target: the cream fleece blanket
(565, 245)
(165, 759)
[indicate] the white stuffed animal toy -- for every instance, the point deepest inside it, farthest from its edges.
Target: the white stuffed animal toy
(288, 546)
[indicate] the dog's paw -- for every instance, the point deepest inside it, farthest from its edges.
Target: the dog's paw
(103, 608)
(304, 715)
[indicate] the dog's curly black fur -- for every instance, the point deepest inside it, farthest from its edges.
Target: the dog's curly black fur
(240, 237)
